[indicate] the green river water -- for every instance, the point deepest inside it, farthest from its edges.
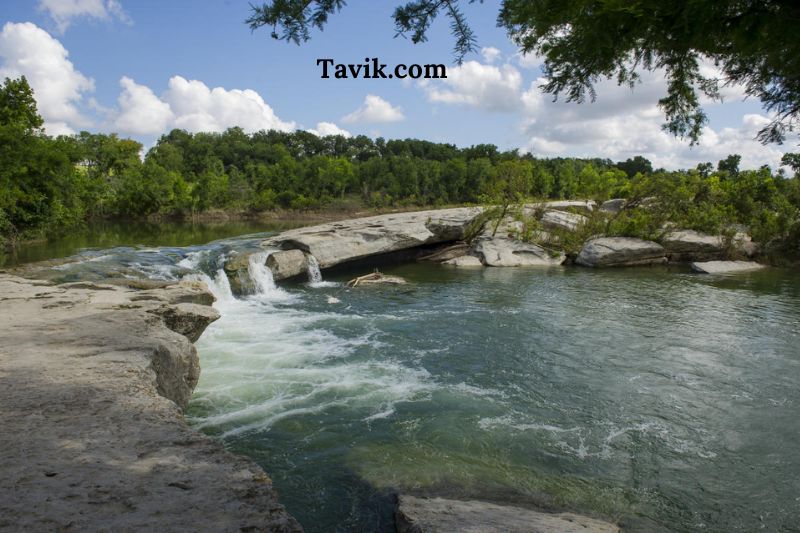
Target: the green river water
(654, 397)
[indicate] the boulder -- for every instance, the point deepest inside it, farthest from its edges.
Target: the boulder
(502, 251)
(743, 244)
(620, 251)
(614, 206)
(584, 205)
(188, 319)
(237, 269)
(348, 240)
(725, 267)
(464, 261)
(439, 515)
(562, 220)
(690, 245)
(287, 264)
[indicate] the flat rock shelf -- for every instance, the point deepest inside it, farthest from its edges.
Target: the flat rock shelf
(93, 382)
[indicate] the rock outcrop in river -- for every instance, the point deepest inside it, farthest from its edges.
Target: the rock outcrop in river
(342, 242)
(93, 380)
(438, 515)
(620, 251)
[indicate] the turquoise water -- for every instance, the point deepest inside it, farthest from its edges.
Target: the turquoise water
(655, 397)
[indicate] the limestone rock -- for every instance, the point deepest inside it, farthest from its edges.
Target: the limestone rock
(287, 264)
(438, 515)
(583, 205)
(237, 270)
(562, 220)
(620, 251)
(725, 267)
(464, 261)
(743, 244)
(188, 319)
(92, 384)
(447, 253)
(614, 206)
(690, 245)
(348, 240)
(502, 251)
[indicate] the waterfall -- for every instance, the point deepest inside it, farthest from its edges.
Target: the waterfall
(219, 286)
(314, 273)
(260, 275)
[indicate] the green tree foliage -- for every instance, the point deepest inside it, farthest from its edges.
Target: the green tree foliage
(49, 185)
(753, 42)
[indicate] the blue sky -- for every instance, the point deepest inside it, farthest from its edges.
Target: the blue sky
(143, 67)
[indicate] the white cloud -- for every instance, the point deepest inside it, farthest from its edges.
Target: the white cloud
(623, 123)
(63, 12)
(479, 85)
(324, 129)
(490, 54)
(26, 49)
(193, 106)
(141, 111)
(529, 61)
(199, 108)
(374, 109)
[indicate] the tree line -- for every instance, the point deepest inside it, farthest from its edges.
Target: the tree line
(51, 184)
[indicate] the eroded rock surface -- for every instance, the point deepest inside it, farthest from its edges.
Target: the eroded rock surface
(503, 251)
(464, 261)
(581, 205)
(348, 240)
(562, 220)
(690, 245)
(620, 251)
(725, 267)
(93, 379)
(614, 206)
(438, 515)
(287, 264)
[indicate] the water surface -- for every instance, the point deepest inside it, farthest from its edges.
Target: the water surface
(655, 397)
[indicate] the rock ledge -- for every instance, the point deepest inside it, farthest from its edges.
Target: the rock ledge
(93, 379)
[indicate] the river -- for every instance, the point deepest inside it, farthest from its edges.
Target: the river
(655, 397)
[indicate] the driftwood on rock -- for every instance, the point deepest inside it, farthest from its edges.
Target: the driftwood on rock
(375, 277)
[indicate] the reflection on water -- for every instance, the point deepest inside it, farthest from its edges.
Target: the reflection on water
(655, 397)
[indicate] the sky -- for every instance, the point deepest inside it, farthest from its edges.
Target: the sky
(143, 67)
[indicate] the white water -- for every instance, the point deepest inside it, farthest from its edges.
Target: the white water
(266, 360)
(314, 273)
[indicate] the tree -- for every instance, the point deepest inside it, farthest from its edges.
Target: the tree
(18, 106)
(635, 166)
(730, 165)
(753, 43)
(792, 161)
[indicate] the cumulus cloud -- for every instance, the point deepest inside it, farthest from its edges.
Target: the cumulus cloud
(324, 129)
(199, 108)
(141, 111)
(63, 12)
(26, 49)
(479, 85)
(374, 109)
(623, 123)
(490, 54)
(193, 106)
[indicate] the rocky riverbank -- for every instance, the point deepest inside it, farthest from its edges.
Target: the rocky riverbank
(465, 237)
(93, 380)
